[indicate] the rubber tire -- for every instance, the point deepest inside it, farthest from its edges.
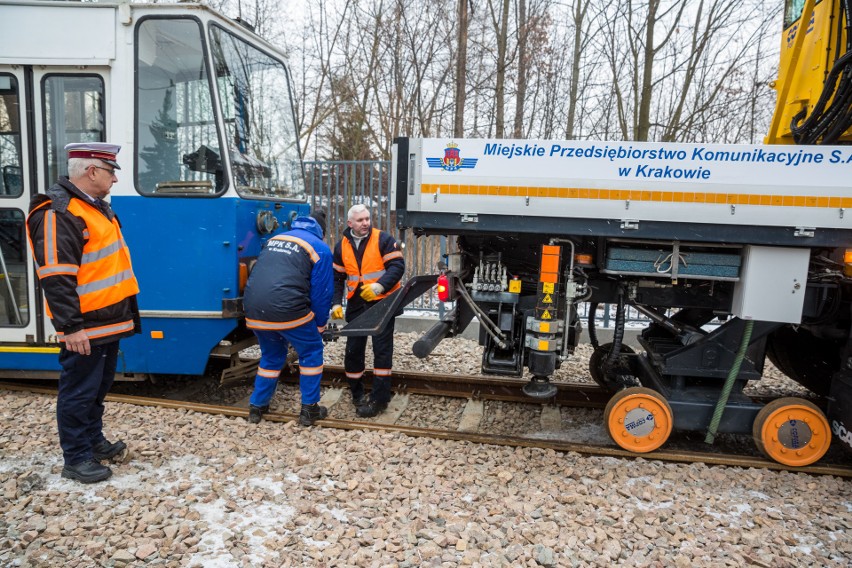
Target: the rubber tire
(608, 382)
(817, 422)
(808, 360)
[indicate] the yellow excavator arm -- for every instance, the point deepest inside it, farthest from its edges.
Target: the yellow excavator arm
(814, 84)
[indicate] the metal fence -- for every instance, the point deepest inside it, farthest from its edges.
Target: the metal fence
(338, 185)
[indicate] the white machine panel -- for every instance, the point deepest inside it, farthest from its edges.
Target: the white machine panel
(772, 284)
(694, 183)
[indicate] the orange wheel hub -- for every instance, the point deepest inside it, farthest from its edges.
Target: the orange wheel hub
(639, 419)
(792, 431)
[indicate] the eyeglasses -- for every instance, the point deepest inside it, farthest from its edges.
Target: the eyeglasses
(110, 171)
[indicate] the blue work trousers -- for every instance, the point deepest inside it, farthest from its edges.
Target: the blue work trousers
(307, 342)
(83, 385)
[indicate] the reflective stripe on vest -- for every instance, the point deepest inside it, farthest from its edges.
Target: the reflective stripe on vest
(105, 275)
(372, 265)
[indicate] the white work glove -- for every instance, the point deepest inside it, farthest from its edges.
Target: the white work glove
(369, 293)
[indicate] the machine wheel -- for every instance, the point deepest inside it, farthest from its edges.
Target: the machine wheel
(639, 419)
(792, 431)
(614, 378)
(809, 360)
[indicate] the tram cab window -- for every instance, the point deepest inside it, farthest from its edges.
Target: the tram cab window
(177, 142)
(74, 112)
(11, 173)
(14, 310)
(254, 89)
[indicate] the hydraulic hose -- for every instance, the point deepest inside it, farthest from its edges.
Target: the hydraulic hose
(729, 383)
(593, 334)
(618, 332)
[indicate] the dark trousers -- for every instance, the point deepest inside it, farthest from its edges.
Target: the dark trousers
(83, 385)
(355, 355)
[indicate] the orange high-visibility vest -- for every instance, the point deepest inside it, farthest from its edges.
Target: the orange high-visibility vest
(105, 276)
(372, 265)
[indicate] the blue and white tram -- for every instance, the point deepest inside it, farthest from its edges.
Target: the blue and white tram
(210, 165)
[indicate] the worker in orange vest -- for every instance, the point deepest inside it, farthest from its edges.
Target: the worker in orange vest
(368, 266)
(90, 291)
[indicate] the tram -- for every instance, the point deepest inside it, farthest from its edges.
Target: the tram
(210, 166)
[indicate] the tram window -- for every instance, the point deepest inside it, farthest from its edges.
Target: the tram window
(14, 309)
(177, 142)
(11, 173)
(254, 89)
(74, 112)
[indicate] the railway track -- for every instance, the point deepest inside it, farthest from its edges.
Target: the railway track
(476, 390)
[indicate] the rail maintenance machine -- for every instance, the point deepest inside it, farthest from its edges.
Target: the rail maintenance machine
(733, 252)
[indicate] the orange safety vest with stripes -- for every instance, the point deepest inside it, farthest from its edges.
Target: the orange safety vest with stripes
(105, 274)
(372, 265)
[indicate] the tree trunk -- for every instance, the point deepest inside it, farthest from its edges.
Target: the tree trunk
(461, 70)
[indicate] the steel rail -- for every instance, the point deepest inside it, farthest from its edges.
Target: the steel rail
(676, 456)
(475, 387)
(569, 394)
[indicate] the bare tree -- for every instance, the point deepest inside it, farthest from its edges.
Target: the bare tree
(461, 66)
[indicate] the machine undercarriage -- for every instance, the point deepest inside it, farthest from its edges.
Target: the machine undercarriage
(691, 342)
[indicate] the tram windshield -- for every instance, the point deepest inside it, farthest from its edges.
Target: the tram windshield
(177, 142)
(254, 90)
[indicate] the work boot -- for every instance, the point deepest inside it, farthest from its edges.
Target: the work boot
(256, 412)
(371, 408)
(311, 413)
(88, 471)
(356, 389)
(107, 450)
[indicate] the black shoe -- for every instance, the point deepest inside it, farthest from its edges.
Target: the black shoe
(256, 412)
(370, 409)
(361, 400)
(107, 450)
(311, 413)
(87, 472)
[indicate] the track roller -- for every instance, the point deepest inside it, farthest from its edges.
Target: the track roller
(639, 419)
(792, 431)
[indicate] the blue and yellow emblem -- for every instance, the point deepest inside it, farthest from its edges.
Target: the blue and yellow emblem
(452, 160)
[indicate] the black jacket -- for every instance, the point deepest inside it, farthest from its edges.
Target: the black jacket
(60, 290)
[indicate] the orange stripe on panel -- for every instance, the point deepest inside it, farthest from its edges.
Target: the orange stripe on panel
(596, 194)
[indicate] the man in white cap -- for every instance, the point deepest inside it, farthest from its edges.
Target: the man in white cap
(90, 291)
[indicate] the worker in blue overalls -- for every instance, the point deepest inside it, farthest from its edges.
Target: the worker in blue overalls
(287, 301)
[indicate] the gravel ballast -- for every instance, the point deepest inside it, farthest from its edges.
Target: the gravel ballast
(212, 491)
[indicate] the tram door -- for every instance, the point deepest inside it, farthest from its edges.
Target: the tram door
(41, 110)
